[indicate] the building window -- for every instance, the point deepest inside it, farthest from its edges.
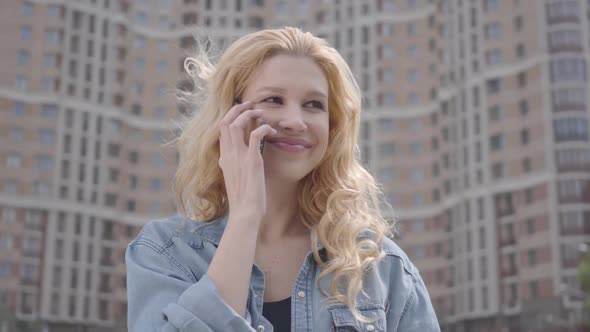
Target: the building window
(565, 40)
(163, 45)
(255, 22)
(497, 142)
(17, 135)
(26, 32)
(131, 205)
(387, 99)
(494, 57)
(133, 182)
(44, 162)
(520, 51)
(411, 28)
(110, 200)
(21, 83)
(518, 23)
(156, 184)
(568, 69)
(529, 196)
(413, 75)
(526, 165)
(495, 113)
(494, 86)
(159, 113)
(49, 111)
(571, 129)
(141, 18)
(27, 8)
(524, 136)
(493, 31)
(138, 88)
(563, 11)
(52, 36)
(492, 5)
(530, 226)
(533, 289)
(498, 170)
(24, 57)
(521, 78)
(416, 148)
(53, 11)
(49, 59)
(161, 90)
(523, 107)
(139, 42)
(13, 160)
(47, 136)
(162, 66)
(386, 149)
(19, 108)
(139, 65)
(417, 199)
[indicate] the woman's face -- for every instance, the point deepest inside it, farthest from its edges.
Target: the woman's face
(292, 91)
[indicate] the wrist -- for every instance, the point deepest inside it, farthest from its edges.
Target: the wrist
(245, 222)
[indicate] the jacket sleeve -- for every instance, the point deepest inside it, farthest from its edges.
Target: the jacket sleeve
(163, 295)
(418, 314)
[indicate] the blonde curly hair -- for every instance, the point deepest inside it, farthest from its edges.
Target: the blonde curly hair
(339, 200)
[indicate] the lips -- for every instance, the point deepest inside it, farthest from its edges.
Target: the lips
(289, 140)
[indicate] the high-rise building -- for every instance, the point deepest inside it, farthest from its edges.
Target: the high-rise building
(475, 122)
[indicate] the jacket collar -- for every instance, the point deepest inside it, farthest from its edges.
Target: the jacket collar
(213, 230)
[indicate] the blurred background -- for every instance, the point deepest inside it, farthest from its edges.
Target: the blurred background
(475, 123)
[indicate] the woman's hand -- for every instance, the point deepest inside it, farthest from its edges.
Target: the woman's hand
(241, 163)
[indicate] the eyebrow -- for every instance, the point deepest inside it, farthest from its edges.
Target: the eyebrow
(281, 90)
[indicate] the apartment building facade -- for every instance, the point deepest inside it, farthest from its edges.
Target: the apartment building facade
(475, 123)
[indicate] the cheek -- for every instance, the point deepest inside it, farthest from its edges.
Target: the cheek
(323, 139)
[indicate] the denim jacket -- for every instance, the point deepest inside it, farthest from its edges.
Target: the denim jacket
(168, 288)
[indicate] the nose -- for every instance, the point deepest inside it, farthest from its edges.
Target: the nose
(291, 119)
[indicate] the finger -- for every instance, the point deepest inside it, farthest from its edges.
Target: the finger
(243, 124)
(256, 137)
(234, 112)
(244, 119)
(224, 134)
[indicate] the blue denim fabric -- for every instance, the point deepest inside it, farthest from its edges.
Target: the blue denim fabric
(168, 288)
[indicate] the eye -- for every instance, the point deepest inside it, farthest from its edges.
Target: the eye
(315, 104)
(273, 99)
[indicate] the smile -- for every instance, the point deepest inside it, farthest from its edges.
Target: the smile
(288, 147)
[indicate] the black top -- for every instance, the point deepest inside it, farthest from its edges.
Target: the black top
(278, 314)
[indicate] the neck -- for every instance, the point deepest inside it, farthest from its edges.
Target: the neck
(280, 220)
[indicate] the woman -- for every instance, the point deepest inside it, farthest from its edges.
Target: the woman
(285, 238)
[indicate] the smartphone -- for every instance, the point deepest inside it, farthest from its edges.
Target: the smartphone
(259, 122)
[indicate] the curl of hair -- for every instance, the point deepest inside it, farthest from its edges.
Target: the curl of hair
(339, 200)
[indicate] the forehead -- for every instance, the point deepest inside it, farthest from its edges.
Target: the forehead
(288, 72)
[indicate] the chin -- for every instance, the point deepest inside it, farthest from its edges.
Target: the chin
(288, 174)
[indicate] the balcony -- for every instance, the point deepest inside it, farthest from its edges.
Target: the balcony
(563, 12)
(31, 253)
(505, 273)
(578, 230)
(106, 261)
(105, 288)
(565, 48)
(570, 263)
(509, 241)
(28, 282)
